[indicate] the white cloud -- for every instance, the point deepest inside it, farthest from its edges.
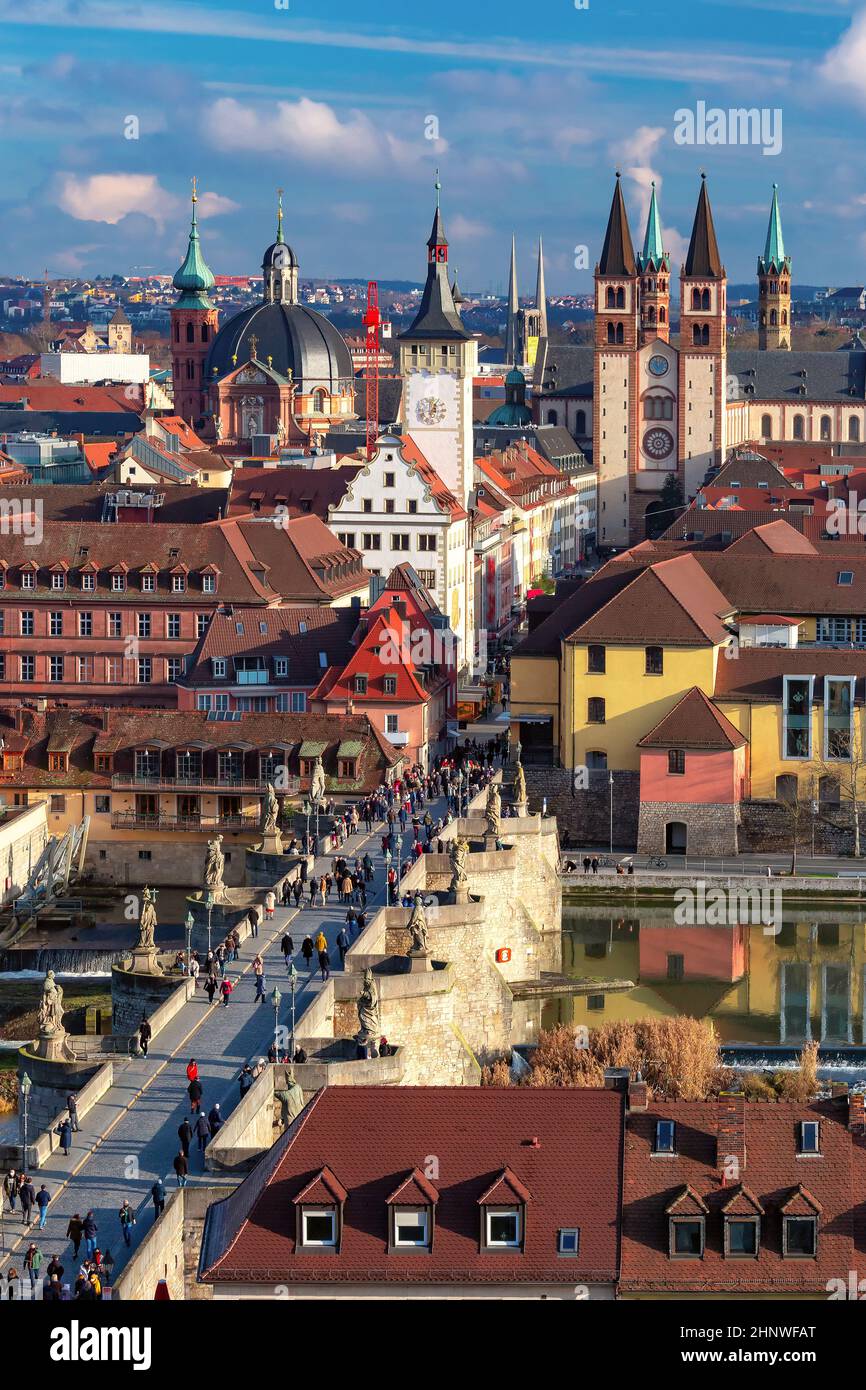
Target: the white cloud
(111, 197)
(462, 228)
(845, 65)
(214, 205)
(311, 132)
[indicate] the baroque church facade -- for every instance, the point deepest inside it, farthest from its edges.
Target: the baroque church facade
(645, 407)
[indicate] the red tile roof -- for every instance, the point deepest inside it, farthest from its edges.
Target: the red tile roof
(694, 722)
(411, 452)
(560, 1149)
(773, 1177)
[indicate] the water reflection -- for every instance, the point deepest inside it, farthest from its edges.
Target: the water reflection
(806, 981)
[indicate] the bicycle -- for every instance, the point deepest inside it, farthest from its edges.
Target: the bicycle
(656, 861)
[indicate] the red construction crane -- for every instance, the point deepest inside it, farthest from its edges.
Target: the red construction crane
(372, 323)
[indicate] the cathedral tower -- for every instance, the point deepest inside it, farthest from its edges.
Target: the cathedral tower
(194, 322)
(774, 286)
(702, 356)
(615, 375)
(654, 265)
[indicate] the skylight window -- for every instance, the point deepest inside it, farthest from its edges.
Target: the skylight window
(665, 1141)
(810, 1137)
(845, 577)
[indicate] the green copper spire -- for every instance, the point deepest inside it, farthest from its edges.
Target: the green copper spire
(653, 256)
(774, 252)
(280, 238)
(194, 278)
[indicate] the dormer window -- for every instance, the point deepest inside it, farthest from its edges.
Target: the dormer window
(390, 685)
(281, 666)
(88, 582)
(410, 1228)
(118, 583)
(809, 1141)
(148, 583)
(318, 1228)
(360, 685)
(208, 583)
(219, 667)
(58, 580)
(800, 1237)
(687, 1215)
(178, 583)
(503, 1228)
(28, 579)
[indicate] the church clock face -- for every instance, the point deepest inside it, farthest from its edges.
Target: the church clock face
(658, 443)
(658, 365)
(431, 410)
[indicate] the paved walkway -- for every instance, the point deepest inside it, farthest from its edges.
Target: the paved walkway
(130, 1138)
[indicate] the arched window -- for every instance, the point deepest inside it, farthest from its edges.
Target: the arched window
(651, 314)
(611, 297)
(701, 335)
(319, 402)
(854, 430)
(580, 422)
(662, 315)
(177, 332)
(784, 316)
(825, 426)
(763, 319)
(799, 427)
(766, 427)
(774, 287)
(552, 417)
(620, 298)
(190, 369)
(705, 299)
(611, 333)
(205, 333)
(619, 333)
(190, 332)
(696, 299)
(774, 318)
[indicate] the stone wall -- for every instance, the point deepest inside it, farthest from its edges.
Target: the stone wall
(177, 862)
(710, 829)
(583, 815)
(134, 995)
(768, 826)
(170, 1250)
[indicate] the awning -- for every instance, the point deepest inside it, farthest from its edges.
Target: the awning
(350, 748)
(531, 718)
(311, 749)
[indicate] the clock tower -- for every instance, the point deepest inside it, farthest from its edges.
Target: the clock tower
(438, 360)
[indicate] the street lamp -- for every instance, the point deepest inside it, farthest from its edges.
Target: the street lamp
(276, 999)
(293, 978)
(189, 924)
(306, 810)
(26, 1086)
(610, 785)
(209, 902)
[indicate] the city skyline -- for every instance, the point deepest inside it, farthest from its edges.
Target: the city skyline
(107, 126)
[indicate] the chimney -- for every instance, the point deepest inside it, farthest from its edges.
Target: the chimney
(731, 1137)
(638, 1096)
(106, 719)
(857, 1112)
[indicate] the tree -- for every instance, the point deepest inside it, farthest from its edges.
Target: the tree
(845, 765)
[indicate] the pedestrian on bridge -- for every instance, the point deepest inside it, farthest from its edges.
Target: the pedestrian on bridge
(270, 904)
(307, 952)
(297, 890)
(74, 1232)
(210, 988)
(64, 1134)
(225, 990)
(184, 1134)
(127, 1220)
(89, 1229)
(27, 1194)
(72, 1107)
(343, 942)
(145, 1033)
(194, 1091)
(202, 1132)
(215, 1120)
(287, 946)
(181, 1168)
(157, 1193)
(11, 1187)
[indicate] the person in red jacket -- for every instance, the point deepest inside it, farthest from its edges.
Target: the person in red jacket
(225, 991)
(192, 1070)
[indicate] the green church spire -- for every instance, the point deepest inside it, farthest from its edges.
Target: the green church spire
(653, 256)
(774, 251)
(195, 277)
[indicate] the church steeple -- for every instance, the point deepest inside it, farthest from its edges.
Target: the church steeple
(774, 286)
(655, 265)
(194, 277)
(280, 266)
(703, 257)
(437, 315)
(617, 253)
(512, 328)
(703, 285)
(617, 283)
(541, 293)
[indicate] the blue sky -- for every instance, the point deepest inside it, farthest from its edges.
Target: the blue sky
(536, 105)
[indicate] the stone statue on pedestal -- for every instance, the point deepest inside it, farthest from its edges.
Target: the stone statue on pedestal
(368, 1011)
(147, 921)
(51, 1007)
(417, 926)
(270, 811)
(214, 865)
(317, 786)
(458, 852)
(520, 785)
(493, 811)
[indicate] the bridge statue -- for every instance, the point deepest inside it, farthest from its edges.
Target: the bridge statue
(214, 865)
(317, 786)
(51, 1007)
(368, 1013)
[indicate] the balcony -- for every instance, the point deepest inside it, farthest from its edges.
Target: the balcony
(140, 820)
(129, 781)
(399, 739)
